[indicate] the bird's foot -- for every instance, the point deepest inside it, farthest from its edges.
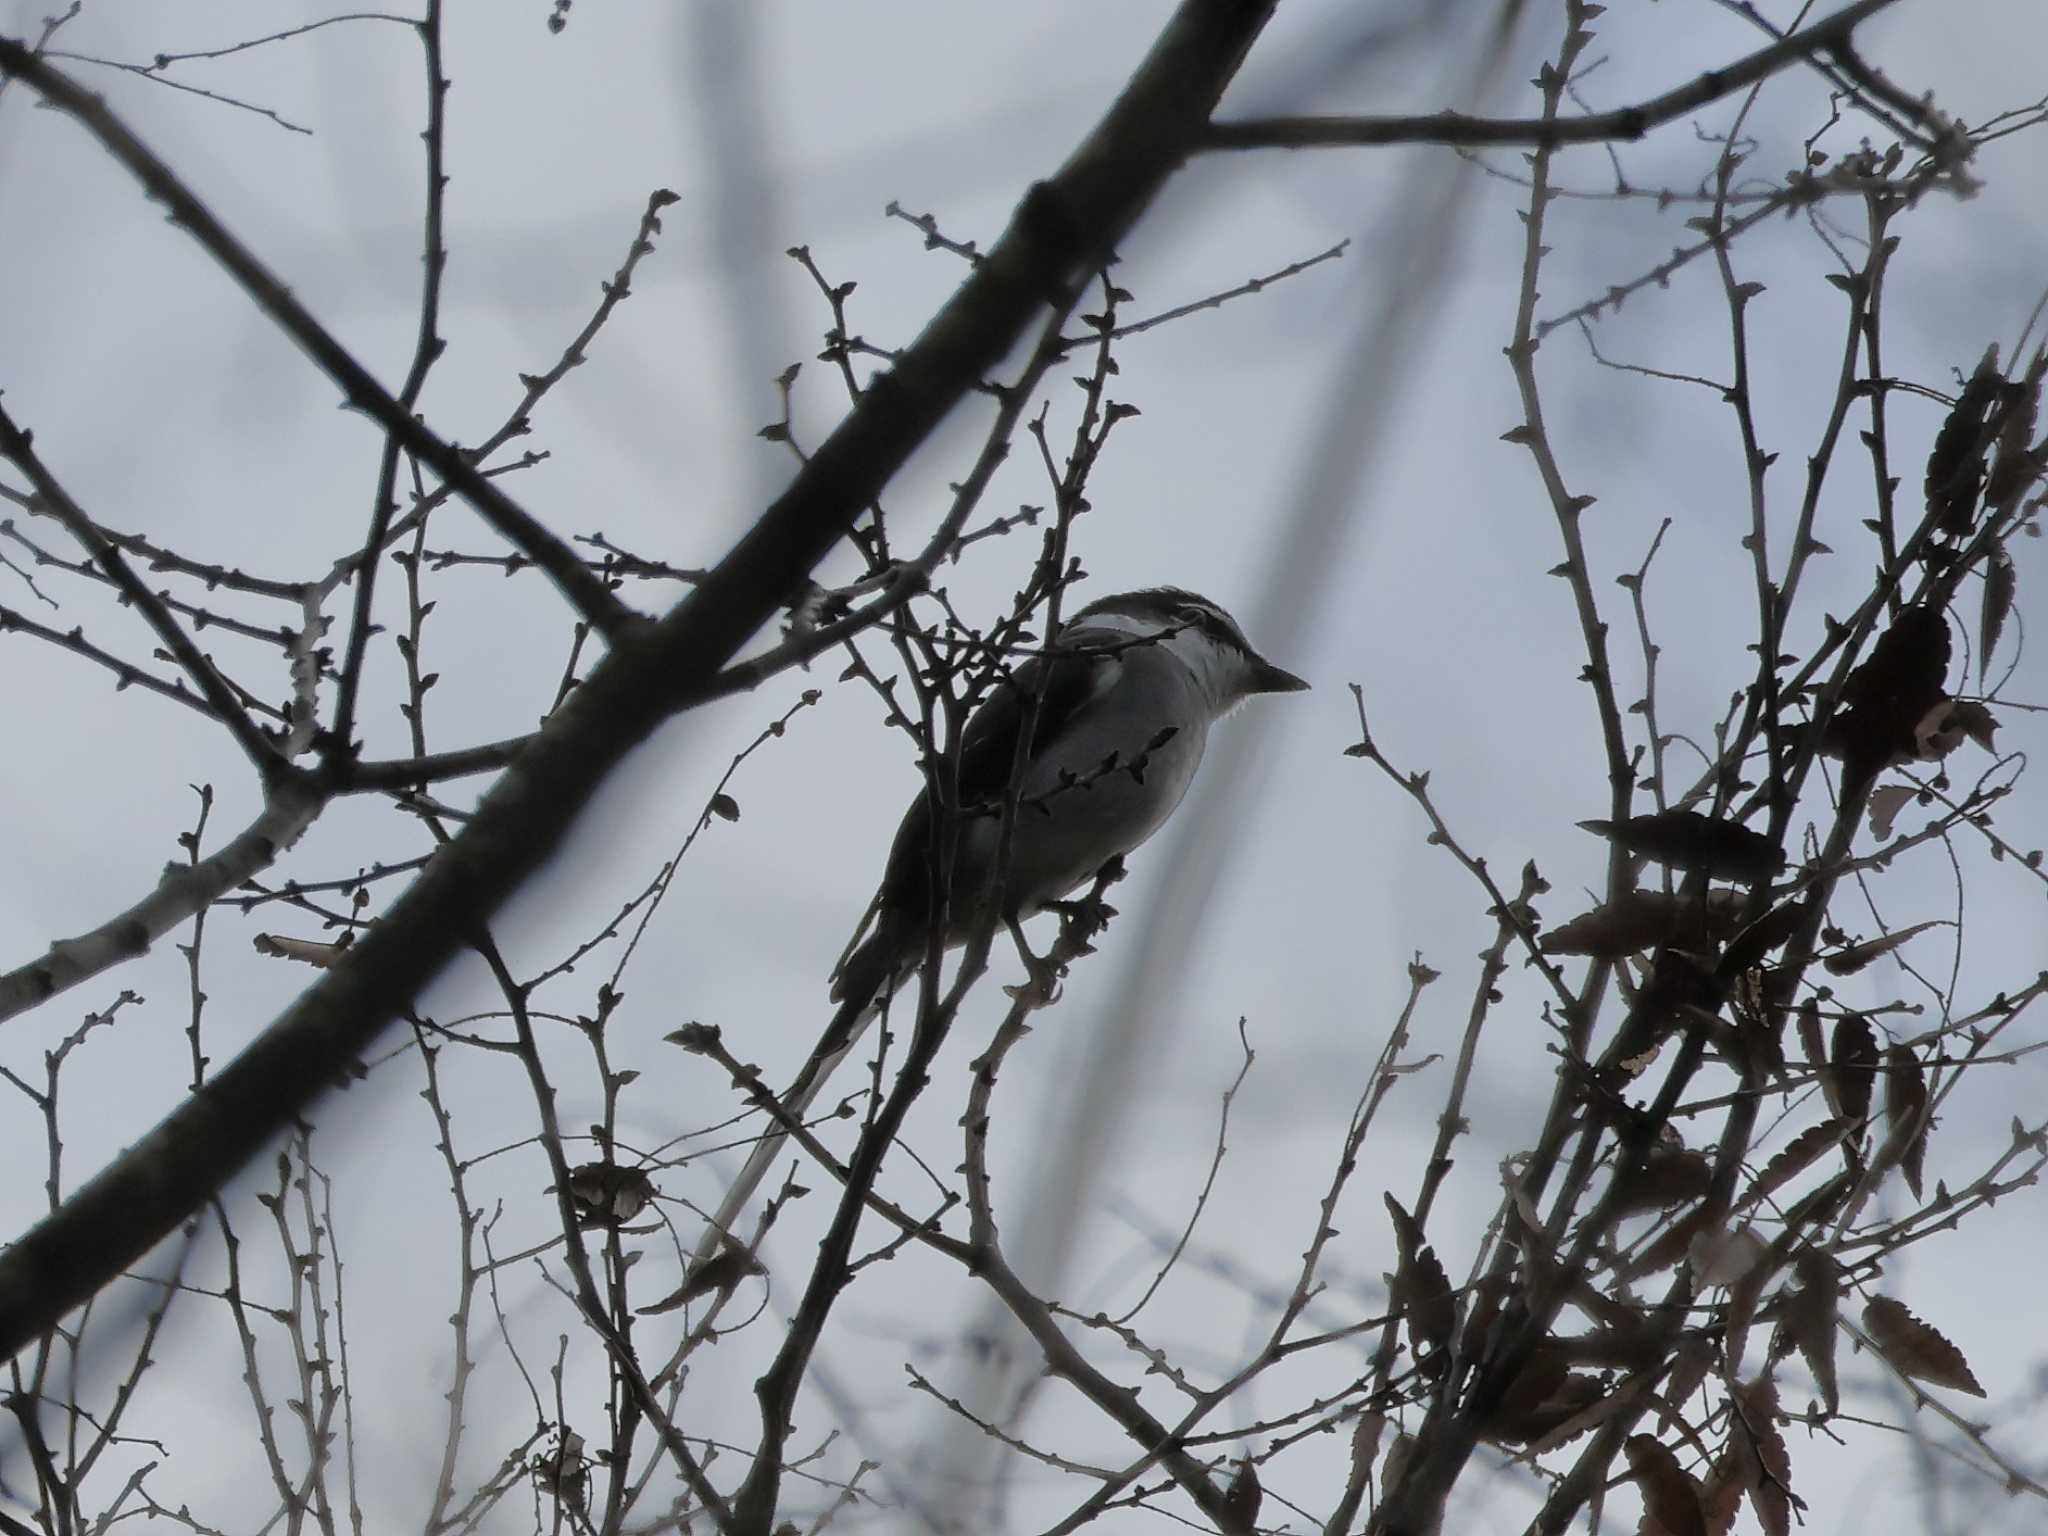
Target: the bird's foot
(1080, 922)
(1041, 986)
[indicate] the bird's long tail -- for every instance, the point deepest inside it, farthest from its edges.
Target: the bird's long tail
(860, 988)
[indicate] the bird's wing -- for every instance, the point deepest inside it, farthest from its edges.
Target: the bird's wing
(1086, 666)
(1088, 663)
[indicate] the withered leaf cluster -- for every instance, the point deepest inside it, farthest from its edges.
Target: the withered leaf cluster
(1885, 700)
(607, 1195)
(1685, 839)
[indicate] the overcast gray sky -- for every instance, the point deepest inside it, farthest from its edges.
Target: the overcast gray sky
(169, 406)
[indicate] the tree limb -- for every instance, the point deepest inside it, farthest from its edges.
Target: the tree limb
(1064, 228)
(1828, 37)
(591, 597)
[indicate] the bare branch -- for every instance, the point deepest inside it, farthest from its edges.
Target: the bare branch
(1827, 38)
(1060, 232)
(183, 892)
(589, 596)
(15, 445)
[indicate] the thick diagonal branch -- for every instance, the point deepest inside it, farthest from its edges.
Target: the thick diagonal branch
(1065, 227)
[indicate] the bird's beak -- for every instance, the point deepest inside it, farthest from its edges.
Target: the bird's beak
(1267, 678)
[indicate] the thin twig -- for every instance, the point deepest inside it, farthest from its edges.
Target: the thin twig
(588, 595)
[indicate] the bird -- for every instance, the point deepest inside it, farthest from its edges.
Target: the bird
(1119, 708)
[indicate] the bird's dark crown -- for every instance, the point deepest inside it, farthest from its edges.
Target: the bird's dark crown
(1173, 606)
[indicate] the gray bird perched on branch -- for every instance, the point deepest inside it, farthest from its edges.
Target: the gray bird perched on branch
(1119, 710)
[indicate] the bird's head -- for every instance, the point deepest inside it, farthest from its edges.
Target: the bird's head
(1197, 633)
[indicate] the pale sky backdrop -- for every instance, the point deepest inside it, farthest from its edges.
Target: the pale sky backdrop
(168, 405)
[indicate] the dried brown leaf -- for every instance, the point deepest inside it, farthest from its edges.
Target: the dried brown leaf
(313, 952)
(1806, 1320)
(1721, 1257)
(1908, 663)
(1734, 1261)
(1948, 723)
(1853, 1067)
(2016, 466)
(1759, 1023)
(1721, 849)
(1821, 1203)
(1638, 921)
(1905, 1106)
(1689, 1367)
(1721, 1494)
(1724, 909)
(1847, 962)
(1672, 1246)
(1482, 1310)
(1671, 1499)
(2001, 583)
(606, 1195)
(1407, 1233)
(722, 1272)
(1543, 1396)
(1597, 1406)
(1669, 1176)
(564, 1473)
(1740, 1312)
(1886, 802)
(1811, 1041)
(1242, 1498)
(1793, 1158)
(1421, 1291)
(1678, 981)
(1885, 699)
(1767, 933)
(1917, 1349)
(1976, 722)
(1760, 1454)
(1629, 1343)
(1955, 466)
